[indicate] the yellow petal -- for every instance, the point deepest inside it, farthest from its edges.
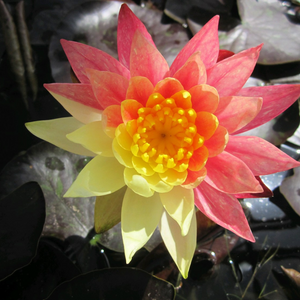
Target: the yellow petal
(140, 216)
(179, 203)
(101, 176)
(157, 184)
(123, 156)
(173, 177)
(137, 183)
(141, 166)
(108, 210)
(55, 131)
(181, 248)
(83, 113)
(93, 138)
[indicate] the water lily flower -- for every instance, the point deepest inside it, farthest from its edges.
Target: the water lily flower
(165, 139)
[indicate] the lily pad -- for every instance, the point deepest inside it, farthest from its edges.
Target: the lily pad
(22, 216)
(55, 170)
(115, 283)
(264, 21)
(95, 24)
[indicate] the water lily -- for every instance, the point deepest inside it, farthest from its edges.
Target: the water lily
(164, 139)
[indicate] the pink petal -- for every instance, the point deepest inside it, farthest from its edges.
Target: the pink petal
(206, 41)
(146, 60)
(260, 156)
(229, 75)
(229, 174)
(224, 54)
(276, 99)
(223, 209)
(82, 57)
(112, 118)
(128, 23)
(168, 87)
(109, 88)
(267, 193)
(139, 89)
(239, 112)
(78, 92)
(192, 72)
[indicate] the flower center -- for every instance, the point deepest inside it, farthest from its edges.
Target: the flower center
(165, 135)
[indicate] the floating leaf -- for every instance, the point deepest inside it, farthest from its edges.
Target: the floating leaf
(290, 188)
(48, 269)
(115, 283)
(22, 216)
(55, 170)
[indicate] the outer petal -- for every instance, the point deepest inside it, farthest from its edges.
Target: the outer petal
(239, 112)
(101, 176)
(93, 138)
(194, 178)
(139, 89)
(82, 57)
(192, 73)
(128, 24)
(206, 41)
(268, 158)
(146, 60)
(78, 99)
(108, 210)
(229, 75)
(181, 248)
(276, 98)
(229, 174)
(140, 216)
(168, 87)
(223, 209)
(204, 98)
(55, 131)
(109, 88)
(137, 183)
(112, 118)
(179, 203)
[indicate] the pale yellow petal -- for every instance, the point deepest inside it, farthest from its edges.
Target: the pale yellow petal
(173, 177)
(181, 248)
(123, 137)
(140, 216)
(137, 183)
(179, 203)
(141, 166)
(123, 156)
(93, 138)
(157, 184)
(101, 176)
(55, 131)
(108, 210)
(83, 113)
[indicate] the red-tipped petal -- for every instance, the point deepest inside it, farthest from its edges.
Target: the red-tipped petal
(206, 41)
(217, 142)
(204, 98)
(223, 209)
(82, 57)
(229, 174)
(109, 88)
(239, 112)
(224, 54)
(139, 89)
(229, 75)
(112, 118)
(276, 99)
(261, 157)
(78, 99)
(168, 87)
(192, 73)
(128, 24)
(146, 60)
(267, 193)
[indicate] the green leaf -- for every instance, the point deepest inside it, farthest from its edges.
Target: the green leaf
(22, 216)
